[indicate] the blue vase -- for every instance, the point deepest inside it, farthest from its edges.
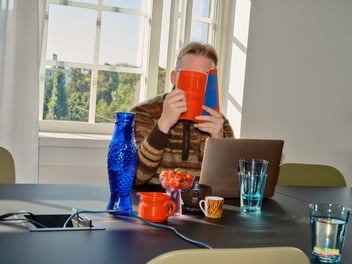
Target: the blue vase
(122, 163)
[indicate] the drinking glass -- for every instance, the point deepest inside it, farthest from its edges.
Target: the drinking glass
(252, 174)
(328, 225)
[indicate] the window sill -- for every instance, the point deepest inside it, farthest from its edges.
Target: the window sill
(72, 140)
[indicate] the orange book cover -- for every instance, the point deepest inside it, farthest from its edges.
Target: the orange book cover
(200, 88)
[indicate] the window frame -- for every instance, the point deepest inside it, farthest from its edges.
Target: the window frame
(150, 62)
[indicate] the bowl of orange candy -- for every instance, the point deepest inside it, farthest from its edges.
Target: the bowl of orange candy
(175, 181)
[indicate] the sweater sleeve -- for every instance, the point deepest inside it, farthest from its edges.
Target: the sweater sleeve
(151, 143)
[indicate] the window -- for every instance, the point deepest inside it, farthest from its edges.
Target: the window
(103, 56)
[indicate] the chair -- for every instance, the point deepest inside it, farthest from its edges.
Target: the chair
(7, 167)
(264, 255)
(300, 174)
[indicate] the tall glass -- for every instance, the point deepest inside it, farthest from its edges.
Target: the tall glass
(252, 174)
(328, 226)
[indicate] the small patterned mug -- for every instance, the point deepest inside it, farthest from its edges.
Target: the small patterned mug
(212, 206)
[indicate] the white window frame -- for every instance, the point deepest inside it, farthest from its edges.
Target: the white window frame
(150, 61)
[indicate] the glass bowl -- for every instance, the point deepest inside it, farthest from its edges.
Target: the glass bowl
(175, 182)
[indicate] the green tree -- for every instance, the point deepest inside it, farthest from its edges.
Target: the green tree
(47, 95)
(78, 95)
(116, 94)
(107, 83)
(161, 80)
(57, 105)
(103, 113)
(123, 97)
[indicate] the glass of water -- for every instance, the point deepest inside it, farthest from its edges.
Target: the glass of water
(252, 176)
(328, 224)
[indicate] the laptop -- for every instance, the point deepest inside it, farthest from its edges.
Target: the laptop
(220, 163)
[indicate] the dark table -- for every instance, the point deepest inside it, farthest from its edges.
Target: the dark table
(284, 221)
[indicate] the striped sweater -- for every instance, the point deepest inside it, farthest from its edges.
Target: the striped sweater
(158, 151)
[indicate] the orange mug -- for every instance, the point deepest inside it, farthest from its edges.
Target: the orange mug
(155, 206)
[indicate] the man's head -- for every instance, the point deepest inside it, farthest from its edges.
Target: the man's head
(197, 57)
(197, 48)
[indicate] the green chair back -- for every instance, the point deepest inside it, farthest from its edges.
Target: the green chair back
(300, 174)
(7, 167)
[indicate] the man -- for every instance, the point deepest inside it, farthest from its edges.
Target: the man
(164, 141)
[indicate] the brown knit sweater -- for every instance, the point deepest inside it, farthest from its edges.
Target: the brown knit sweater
(158, 151)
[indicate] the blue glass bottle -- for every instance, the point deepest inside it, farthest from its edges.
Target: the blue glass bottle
(122, 163)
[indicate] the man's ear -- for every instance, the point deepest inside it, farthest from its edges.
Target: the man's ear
(173, 77)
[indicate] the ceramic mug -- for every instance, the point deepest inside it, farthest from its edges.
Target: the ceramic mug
(212, 206)
(155, 206)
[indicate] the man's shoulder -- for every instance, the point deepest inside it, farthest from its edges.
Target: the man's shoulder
(152, 106)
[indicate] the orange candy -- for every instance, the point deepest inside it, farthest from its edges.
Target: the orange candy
(176, 179)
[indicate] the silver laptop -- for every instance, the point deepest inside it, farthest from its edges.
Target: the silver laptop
(220, 163)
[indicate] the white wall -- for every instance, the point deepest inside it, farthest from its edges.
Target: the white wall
(19, 95)
(237, 64)
(73, 158)
(298, 83)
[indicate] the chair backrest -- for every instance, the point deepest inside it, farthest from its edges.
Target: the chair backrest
(300, 174)
(264, 255)
(7, 167)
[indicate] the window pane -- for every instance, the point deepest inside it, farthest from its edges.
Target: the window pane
(199, 31)
(63, 37)
(164, 46)
(164, 33)
(116, 92)
(66, 94)
(201, 8)
(121, 39)
(131, 4)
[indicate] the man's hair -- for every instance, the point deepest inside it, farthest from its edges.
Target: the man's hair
(197, 48)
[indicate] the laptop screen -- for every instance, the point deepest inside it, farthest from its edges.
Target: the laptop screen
(220, 163)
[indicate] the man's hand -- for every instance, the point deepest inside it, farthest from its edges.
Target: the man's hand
(213, 123)
(174, 105)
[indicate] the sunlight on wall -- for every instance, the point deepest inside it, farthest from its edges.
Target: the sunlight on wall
(238, 64)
